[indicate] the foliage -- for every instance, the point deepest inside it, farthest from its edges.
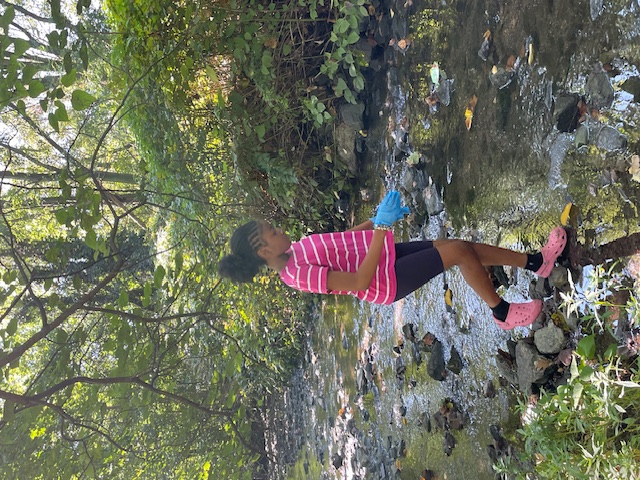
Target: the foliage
(122, 355)
(588, 428)
(247, 72)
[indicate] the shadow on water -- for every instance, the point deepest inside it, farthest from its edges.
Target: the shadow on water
(505, 180)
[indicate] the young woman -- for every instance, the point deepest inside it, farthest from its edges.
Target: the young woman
(364, 261)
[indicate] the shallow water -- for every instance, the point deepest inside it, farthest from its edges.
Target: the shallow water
(504, 182)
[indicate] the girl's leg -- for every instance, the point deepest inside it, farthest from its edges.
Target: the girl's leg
(490, 255)
(471, 258)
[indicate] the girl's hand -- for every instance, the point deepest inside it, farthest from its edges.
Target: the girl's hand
(390, 210)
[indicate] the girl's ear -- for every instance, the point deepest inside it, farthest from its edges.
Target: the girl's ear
(263, 252)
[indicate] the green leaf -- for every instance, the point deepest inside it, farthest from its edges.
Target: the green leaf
(91, 240)
(123, 299)
(35, 88)
(158, 276)
(81, 100)
(353, 38)
(53, 38)
(146, 299)
(20, 46)
(28, 72)
(587, 347)
(179, 261)
(67, 62)
(84, 55)
(585, 373)
(61, 113)
(21, 106)
(68, 78)
(7, 17)
(12, 327)
(53, 121)
(211, 73)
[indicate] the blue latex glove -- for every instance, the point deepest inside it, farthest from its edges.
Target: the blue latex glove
(390, 210)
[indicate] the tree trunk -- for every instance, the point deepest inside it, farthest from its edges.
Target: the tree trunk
(579, 255)
(114, 177)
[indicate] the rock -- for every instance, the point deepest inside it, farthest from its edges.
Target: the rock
(455, 361)
(401, 368)
(428, 474)
(414, 179)
(448, 443)
(549, 340)
(572, 322)
(489, 390)
(632, 85)
(352, 115)
(527, 373)
(456, 420)
(409, 331)
(416, 353)
(440, 421)
(559, 278)
(336, 460)
(566, 112)
(436, 365)
(582, 136)
(345, 138)
(500, 77)
(610, 139)
(433, 200)
(507, 369)
(598, 89)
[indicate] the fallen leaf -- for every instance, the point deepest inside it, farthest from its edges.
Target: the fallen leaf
(564, 216)
(468, 118)
(511, 61)
(448, 297)
(468, 113)
(271, 42)
(565, 356)
(542, 363)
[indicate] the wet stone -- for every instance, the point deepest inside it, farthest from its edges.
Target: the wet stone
(550, 339)
(599, 90)
(527, 373)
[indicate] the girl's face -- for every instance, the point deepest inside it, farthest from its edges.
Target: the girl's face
(275, 241)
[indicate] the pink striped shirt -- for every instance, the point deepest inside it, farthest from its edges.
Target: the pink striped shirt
(314, 256)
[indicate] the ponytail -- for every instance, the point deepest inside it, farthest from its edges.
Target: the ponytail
(243, 263)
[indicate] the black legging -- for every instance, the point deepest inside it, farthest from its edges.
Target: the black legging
(416, 264)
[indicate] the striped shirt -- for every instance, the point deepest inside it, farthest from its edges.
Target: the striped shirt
(314, 256)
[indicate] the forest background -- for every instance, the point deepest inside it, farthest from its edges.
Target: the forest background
(135, 136)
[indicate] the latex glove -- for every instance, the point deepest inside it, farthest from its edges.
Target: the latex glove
(390, 210)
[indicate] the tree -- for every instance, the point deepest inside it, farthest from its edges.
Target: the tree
(119, 351)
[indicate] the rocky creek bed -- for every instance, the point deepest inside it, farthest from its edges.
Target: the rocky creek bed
(427, 385)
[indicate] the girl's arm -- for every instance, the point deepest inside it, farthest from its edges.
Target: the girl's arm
(361, 279)
(366, 225)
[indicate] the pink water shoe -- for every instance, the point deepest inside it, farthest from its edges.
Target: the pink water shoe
(520, 315)
(551, 251)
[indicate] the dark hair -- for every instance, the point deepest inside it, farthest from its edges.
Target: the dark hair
(244, 263)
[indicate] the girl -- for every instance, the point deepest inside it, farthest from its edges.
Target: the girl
(364, 261)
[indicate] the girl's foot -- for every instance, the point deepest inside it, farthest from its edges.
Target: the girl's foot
(520, 315)
(551, 251)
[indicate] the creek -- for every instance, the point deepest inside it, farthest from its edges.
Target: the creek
(503, 181)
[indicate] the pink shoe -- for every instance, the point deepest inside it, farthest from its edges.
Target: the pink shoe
(551, 251)
(520, 315)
